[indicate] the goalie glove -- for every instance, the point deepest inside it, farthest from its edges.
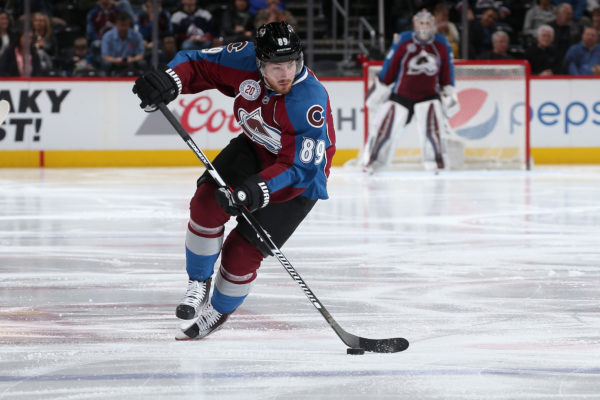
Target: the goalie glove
(159, 85)
(252, 194)
(449, 100)
(378, 94)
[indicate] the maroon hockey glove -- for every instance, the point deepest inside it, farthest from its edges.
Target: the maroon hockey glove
(158, 85)
(252, 194)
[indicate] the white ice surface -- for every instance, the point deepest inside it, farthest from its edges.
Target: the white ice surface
(494, 278)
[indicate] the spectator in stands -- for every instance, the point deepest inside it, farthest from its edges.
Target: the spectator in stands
(168, 49)
(12, 61)
(397, 17)
(144, 22)
(43, 39)
(125, 6)
(566, 31)
(43, 43)
(45, 7)
(505, 22)
(596, 20)
(441, 13)
(500, 42)
(123, 49)
(583, 58)
(256, 5)
(272, 13)
(5, 25)
(237, 24)
(543, 13)
(577, 7)
(192, 26)
(79, 61)
(543, 55)
(480, 33)
(100, 20)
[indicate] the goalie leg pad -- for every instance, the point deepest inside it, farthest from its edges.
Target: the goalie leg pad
(431, 127)
(383, 136)
(437, 138)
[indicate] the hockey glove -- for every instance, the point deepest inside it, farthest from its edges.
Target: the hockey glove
(158, 85)
(378, 94)
(252, 194)
(449, 100)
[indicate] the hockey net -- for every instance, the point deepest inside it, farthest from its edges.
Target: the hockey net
(492, 121)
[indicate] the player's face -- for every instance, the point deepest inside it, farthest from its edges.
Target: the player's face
(424, 26)
(280, 76)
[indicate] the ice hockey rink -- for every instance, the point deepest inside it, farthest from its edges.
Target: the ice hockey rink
(493, 277)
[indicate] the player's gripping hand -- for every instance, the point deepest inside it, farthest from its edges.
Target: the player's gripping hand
(158, 85)
(252, 194)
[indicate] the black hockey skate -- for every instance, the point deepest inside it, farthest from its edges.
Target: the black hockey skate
(195, 298)
(208, 321)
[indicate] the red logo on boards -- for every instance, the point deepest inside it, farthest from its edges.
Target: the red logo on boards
(215, 119)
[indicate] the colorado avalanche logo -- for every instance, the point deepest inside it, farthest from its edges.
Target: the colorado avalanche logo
(423, 63)
(235, 47)
(255, 128)
(249, 89)
(315, 116)
(472, 111)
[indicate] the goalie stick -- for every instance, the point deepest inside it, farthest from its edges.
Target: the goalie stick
(4, 110)
(391, 345)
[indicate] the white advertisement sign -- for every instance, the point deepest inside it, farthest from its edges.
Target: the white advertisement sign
(105, 115)
(564, 113)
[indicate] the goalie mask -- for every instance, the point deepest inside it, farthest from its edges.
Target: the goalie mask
(277, 42)
(424, 26)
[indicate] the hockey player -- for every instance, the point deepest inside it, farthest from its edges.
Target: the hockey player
(277, 168)
(415, 68)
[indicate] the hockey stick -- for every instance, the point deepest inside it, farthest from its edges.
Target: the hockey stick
(391, 345)
(4, 110)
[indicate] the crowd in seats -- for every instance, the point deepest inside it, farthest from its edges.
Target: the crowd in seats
(86, 38)
(115, 37)
(555, 36)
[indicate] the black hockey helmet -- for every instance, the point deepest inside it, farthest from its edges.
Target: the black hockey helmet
(277, 42)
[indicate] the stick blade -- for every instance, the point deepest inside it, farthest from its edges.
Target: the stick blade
(393, 345)
(4, 110)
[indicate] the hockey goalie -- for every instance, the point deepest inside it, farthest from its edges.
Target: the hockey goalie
(416, 81)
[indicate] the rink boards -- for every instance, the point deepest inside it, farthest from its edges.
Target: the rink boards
(97, 122)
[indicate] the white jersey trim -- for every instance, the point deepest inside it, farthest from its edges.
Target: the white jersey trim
(232, 289)
(303, 77)
(206, 231)
(203, 246)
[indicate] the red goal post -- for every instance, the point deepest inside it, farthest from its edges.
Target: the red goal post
(492, 119)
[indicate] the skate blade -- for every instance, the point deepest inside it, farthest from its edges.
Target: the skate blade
(188, 331)
(181, 336)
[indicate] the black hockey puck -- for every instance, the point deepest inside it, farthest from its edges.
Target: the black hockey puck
(355, 350)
